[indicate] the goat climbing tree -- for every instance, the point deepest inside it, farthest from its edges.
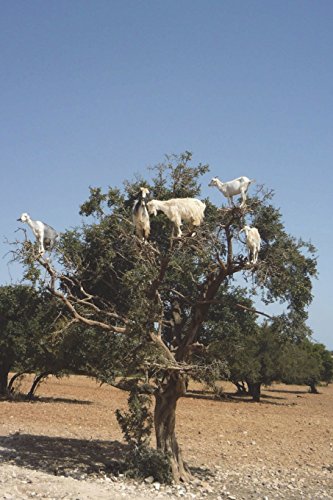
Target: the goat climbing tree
(153, 299)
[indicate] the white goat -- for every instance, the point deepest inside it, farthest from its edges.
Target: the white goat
(179, 209)
(231, 188)
(45, 235)
(140, 215)
(253, 241)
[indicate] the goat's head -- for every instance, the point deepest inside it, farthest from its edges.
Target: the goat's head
(152, 209)
(214, 182)
(144, 192)
(246, 229)
(24, 217)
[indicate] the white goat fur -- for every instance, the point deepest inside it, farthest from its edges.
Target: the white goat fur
(140, 215)
(179, 209)
(45, 235)
(231, 188)
(253, 241)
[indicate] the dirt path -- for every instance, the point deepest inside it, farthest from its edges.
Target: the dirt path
(64, 445)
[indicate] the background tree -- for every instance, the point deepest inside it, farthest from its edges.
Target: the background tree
(28, 344)
(256, 353)
(306, 363)
(152, 301)
(19, 329)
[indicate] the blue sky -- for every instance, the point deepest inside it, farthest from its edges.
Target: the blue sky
(93, 92)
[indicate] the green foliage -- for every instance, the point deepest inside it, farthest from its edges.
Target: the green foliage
(209, 370)
(177, 178)
(141, 463)
(287, 265)
(256, 358)
(136, 424)
(144, 462)
(18, 328)
(306, 363)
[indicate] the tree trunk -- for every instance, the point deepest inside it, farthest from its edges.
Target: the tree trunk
(165, 421)
(12, 380)
(254, 390)
(313, 389)
(35, 384)
(4, 372)
(241, 389)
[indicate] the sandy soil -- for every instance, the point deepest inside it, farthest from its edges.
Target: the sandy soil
(65, 443)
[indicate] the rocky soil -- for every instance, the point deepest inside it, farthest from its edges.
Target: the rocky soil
(64, 445)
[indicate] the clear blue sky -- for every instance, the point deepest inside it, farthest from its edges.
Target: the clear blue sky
(93, 92)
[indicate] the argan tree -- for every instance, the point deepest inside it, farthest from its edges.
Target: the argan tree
(151, 301)
(21, 331)
(306, 363)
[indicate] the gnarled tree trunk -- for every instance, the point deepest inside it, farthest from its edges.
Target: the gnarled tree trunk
(165, 421)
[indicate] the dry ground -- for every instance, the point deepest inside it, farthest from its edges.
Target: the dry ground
(279, 448)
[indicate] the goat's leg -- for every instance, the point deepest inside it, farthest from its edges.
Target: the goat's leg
(243, 194)
(179, 232)
(41, 248)
(177, 223)
(192, 227)
(40, 238)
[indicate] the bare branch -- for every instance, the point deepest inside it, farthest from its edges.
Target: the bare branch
(82, 319)
(240, 306)
(55, 333)
(158, 341)
(253, 310)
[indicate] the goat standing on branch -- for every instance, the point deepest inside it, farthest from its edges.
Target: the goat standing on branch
(253, 241)
(179, 209)
(140, 215)
(45, 235)
(231, 188)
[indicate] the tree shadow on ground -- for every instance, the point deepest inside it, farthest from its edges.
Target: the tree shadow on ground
(62, 456)
(70, 457)
(208, 395)
(233, 397)
(45, 399)
(23, 398)
(246, 397)
(288, 391)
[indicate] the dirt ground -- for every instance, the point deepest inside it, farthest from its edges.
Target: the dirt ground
(281, 447)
